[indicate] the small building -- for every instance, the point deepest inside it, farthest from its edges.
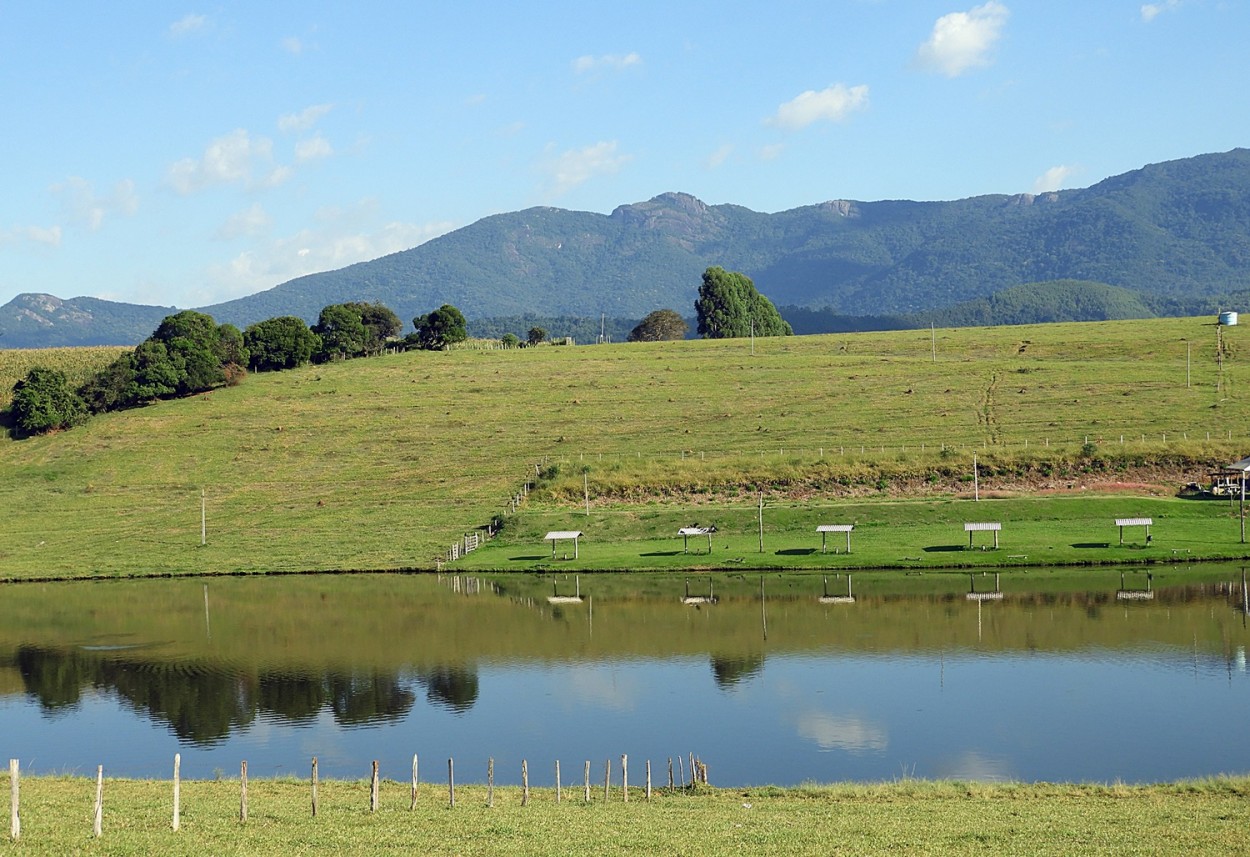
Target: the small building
(563, 535)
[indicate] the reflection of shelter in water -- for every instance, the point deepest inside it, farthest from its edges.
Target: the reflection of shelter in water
(556, 598)
(710, 598)
(1147, 594)
(848, 598)
(973, 595)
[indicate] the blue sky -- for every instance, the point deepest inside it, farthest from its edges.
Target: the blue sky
(183, 155)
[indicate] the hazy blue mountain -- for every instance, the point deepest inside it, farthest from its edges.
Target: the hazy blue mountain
(1177, 234)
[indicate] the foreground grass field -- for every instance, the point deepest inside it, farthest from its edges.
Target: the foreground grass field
(383, 463)
(905, 817)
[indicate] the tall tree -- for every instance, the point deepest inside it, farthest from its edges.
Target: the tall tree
(342, 332)
(284, 342)
(663, 324)
(444, 326)
(730, 306)
(43, 401)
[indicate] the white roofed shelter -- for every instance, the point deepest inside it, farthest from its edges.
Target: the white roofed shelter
(559, 535)
(1134, 522)
(981, 527)
(687, 532)
(826, 529)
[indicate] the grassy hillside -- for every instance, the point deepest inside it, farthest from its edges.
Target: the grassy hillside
(382, 463)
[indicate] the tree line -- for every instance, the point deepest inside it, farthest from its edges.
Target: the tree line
(190, 353)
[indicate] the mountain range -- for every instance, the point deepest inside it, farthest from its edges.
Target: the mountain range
(1175, 235)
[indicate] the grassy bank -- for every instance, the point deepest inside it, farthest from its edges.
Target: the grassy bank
(383, 463)
(1205, 817)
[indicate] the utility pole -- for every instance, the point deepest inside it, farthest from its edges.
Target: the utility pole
(203, 519)
(761, 522)
(976, 486)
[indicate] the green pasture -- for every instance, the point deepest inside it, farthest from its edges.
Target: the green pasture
(907, 817)
(383, 463)
(920, 534)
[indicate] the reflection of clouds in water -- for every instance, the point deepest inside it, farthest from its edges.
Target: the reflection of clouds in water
(605, 687)
(841, 733)
(974, 766)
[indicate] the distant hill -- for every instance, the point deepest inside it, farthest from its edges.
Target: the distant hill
(44, 321)
(1177, 234)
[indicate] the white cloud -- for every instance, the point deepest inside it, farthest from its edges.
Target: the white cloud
(577, 166)
(231, 159)
(304, 120)
(249, 223)
(312, 149)
(963, 40)
(1150, 11)
(772, 151)
(832, 104)
(188, 24)
(1053, 178)
(719, 157)
(293, 45)
(49, 236)
(80, 204)
(607, 62)
(335, 242)
(841, 733)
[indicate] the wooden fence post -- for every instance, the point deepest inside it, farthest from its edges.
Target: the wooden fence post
(490, 782)
(451, 782)
(625, 776)
(557, 780)
(607, 778)
(587, 798)
(15, 816)
(648, 779)
(670, 773)
(413, 804)
(314, 786)
(525, 783)
(98, 827)
(177, 789)
(373, 788)
(243, 792)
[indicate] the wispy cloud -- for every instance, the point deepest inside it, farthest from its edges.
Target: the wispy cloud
(341, 236)
(81, 205)
(187, 24)
(574, 167)
(48, 236)
(291, 123)
(719, 157)
(236, 158)
(772, 151)
(962, 41)
(249, 223)
(293, 45)
(313, 149)
(832, 104)
(606, 62)
(1150, 11)
(1053, 179)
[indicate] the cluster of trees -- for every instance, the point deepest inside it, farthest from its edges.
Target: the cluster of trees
(190, 353)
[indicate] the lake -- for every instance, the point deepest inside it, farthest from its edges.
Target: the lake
(912, 679)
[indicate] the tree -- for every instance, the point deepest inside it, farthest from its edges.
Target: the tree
(729, 306)
(509, 340)
(278, 343)
(444, 326)
(658, 326)
(381, 324)
(342, 332)
(536, 335)
(43, 401)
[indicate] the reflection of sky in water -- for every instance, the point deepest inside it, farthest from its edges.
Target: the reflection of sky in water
(1088, 716)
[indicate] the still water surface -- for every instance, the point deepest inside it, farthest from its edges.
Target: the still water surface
(1059, 686)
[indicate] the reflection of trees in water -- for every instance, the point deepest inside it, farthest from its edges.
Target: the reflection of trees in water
(450, 687)
(368, 698)
(203, 704)
(729, 670)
